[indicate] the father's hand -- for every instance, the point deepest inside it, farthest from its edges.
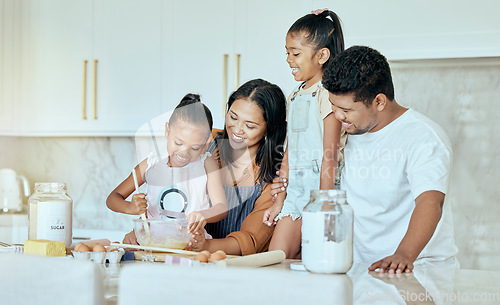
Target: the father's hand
(396, 263)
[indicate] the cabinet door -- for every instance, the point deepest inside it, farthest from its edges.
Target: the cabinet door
(201, 32)
(127, 45)
(421, 29)
(56, 40)
(263, 48)
(7, 62)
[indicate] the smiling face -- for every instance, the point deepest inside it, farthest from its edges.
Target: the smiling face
(245, 125)
(355, 117)
(185, 142)
(306, 62)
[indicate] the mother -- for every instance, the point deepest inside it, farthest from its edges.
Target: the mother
(249, 151)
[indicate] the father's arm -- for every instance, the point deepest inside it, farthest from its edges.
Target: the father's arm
(423, 222)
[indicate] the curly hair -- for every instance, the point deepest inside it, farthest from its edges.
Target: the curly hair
(361, 71)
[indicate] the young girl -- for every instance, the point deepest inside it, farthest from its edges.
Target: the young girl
(313, 137)
(184, 174)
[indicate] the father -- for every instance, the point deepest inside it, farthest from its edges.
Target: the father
(397, 165)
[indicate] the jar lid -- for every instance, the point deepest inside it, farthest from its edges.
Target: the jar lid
(50, 186)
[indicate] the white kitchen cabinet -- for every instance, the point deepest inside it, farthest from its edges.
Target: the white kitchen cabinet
(263, 47)
(219, 45)
(9, 76)
(201, 32)
(421, 29)
(90, 67)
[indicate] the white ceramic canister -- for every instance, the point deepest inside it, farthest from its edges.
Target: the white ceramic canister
(50, 213)
(327, 229)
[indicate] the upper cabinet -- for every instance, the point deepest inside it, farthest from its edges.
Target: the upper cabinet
(218, 45)
(421, 29)
(90, 67)
(199, 34)
(9, 56)
(107, 67)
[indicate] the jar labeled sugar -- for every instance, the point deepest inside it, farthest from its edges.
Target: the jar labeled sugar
(327, 229)
(50, 213)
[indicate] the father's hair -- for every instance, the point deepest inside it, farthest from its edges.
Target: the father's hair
(361, 71)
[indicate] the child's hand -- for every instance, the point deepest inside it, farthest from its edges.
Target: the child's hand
(130, 239)
(138, 204)
(271, 213)
(196, 221)
(396, 263)
(318, 11)
(197, 242)
(279, 185)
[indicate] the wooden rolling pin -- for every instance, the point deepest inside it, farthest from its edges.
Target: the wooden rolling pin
(255, 260)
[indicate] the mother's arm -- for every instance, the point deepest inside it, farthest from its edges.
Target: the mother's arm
(253, 236)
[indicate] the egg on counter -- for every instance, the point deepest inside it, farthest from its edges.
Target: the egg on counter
(81, 247)
(217, 256)
(201, 257)
(98, 248)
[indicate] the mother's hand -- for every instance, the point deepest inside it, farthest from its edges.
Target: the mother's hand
(197, 242)
(279, 185)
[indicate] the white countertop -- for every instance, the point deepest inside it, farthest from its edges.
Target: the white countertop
(428, 284)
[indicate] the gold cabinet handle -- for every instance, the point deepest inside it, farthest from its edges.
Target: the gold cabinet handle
(95, 89)
(84, 94)
(237, 72)
(224, 84)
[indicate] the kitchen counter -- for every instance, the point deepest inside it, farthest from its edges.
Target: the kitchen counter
(428, 284)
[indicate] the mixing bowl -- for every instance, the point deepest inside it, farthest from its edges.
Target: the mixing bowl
(163, 233)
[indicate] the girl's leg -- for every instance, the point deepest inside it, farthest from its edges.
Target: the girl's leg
(287, 237)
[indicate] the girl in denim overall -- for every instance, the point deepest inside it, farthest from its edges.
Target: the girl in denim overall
(313, 135)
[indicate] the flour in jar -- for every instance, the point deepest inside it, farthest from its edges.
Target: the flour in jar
(319, 253)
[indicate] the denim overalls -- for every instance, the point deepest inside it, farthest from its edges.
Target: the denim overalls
(305, 149)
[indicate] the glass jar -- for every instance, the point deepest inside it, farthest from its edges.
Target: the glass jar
(327, 227)
(50, 213)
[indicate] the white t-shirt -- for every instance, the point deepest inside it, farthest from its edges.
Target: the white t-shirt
(385, 171)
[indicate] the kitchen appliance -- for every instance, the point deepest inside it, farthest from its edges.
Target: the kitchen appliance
(11, 200)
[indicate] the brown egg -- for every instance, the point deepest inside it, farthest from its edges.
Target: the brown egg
(77, 246)
(98, 248)
(201, 257)
(83, 248)
(206, 252)
(112, 250)
(217, 256)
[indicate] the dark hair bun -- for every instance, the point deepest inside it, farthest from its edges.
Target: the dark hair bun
(189, 99)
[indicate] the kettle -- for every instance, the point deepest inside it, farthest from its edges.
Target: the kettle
(10, 191)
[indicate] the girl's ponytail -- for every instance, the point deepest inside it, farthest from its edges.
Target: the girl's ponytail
(336, 34)
(322, 30)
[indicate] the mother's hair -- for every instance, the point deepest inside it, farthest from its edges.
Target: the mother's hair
(270, 98)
